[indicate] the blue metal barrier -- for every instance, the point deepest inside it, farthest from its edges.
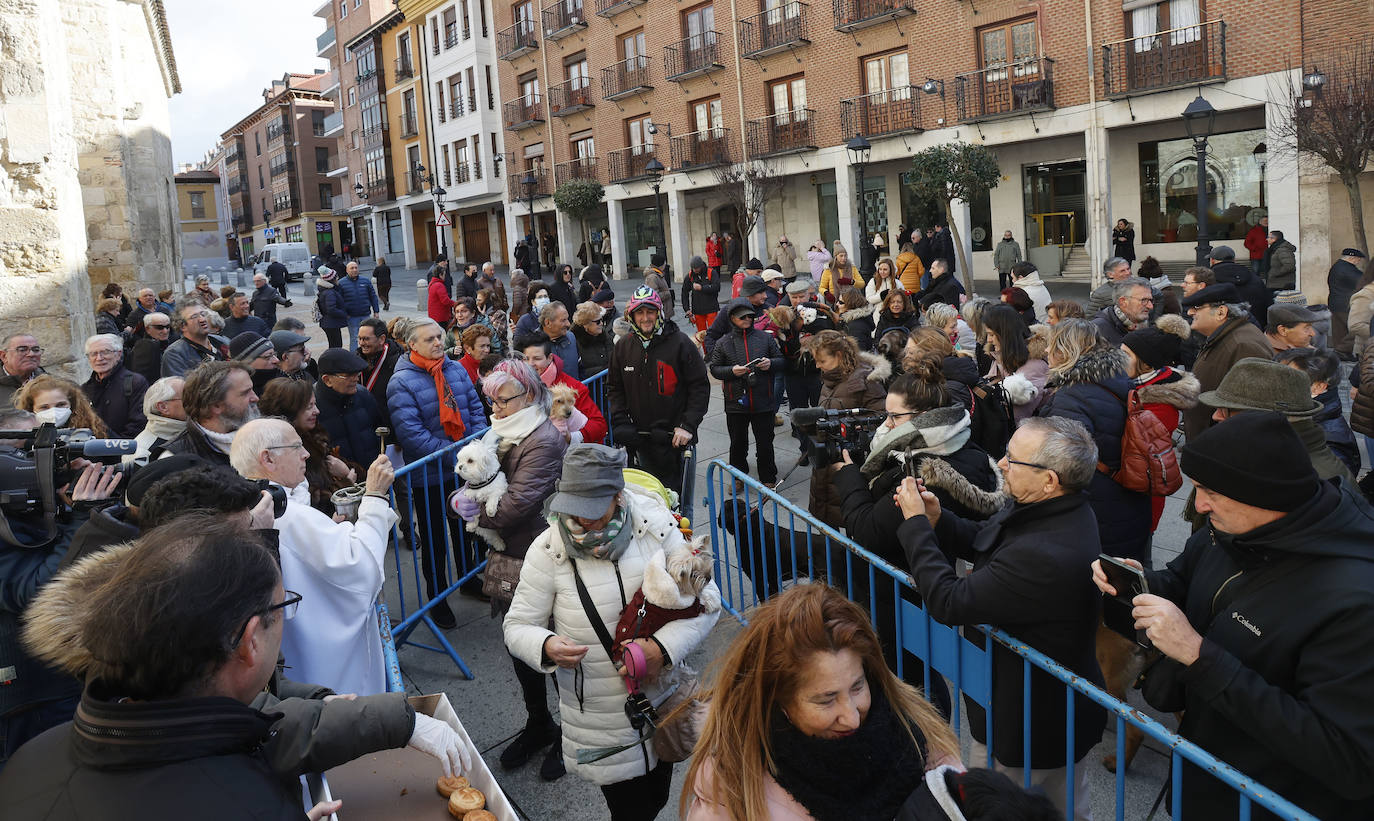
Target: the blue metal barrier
(596, 386)
(394, 683)
(755, 556)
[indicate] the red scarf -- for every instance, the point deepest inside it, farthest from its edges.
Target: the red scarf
(449, 416)
(377, 369)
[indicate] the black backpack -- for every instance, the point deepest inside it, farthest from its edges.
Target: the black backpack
(990, 419)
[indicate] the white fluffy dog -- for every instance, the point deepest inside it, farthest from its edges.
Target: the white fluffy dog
(485, 484)
(680, 576)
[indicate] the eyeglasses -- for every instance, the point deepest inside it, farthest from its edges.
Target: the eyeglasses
(294, 445)
(288, 610)
(102, 354)
(893, 417)
(500, 403)
(158, 327)
(1012, 461)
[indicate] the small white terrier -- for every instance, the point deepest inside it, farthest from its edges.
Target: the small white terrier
(676, 578)
(485, 484)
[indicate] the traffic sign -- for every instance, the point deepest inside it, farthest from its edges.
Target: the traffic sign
(442, 221)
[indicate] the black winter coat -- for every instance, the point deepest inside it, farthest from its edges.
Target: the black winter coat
(707, 300)
(886, 321)
(593, 350)
(1252, 288)
(560, 291)
(1281, 688)
(942, 289)
(1094, 392)
(378, 389)
(858, 323)
(1341, 283)
(107, 527)
(118, 400)
(752, 393)
(961, 375)
(233, 326)
(1030, 578)
(263, 303)
(656, 388)
(351, 422)
(191, 440)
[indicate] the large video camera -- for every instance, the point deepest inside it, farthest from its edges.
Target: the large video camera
(831, 432)
(31, 474)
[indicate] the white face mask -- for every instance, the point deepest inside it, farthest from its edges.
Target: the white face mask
(540, 302)
(57, 416)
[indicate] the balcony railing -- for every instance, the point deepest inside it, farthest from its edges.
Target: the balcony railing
(626, 77)
(409, 125)
(365, 74)
(610, 8)
(232, 155)
(524, 112)
(457, 109)
(414, 182)
(1165, 59)
(852, 15)
(404, 69)
(518, 191)
(239, 218)
(333, 124)
(277, 129)
(237, 184)
(786, 132)
(282, 204)
(571, 97)
(702, 149)
(462, 174)
(582, 168)
(882, 112)
(324, 44)
(281, 168)
(563, 18)
(629, 163)
(379, 190)
(516, 40)
(338, 164)
(450, 36)
(772, 31)
(691, 56)
(1005, 89)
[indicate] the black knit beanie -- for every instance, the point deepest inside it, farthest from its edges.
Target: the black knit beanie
(1153, 346)
(1255, 458)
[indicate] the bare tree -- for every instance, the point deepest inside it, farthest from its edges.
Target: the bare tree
(748, 186)
(1334, 125)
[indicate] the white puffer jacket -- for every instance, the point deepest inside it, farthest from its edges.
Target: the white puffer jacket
(547, 589)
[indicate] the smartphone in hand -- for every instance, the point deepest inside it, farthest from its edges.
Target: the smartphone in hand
(1116, 610)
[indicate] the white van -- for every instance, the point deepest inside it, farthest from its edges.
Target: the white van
(294, 255)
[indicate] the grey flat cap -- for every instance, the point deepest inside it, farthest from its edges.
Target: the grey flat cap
(592, 476)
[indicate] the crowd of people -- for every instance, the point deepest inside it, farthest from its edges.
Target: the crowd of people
(227, 571)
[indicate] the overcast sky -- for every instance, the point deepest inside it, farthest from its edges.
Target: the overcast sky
(227, 53)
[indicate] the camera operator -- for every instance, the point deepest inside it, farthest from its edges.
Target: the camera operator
(743, 361)
(33, 696)
(849, 380)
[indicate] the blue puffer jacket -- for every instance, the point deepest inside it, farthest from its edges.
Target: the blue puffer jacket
(414, 407)
(1094, 392)
(333, 313)
(350, 421)
(359, 297)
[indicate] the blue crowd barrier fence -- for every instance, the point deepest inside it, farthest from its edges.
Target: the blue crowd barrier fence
(438, 542)
(762, 541)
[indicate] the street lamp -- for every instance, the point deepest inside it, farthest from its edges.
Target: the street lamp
(655, 170)
(1314, 80)
(1199, 118)
(859, 149)
(266, 223)
(528, 183)
(1261, 154)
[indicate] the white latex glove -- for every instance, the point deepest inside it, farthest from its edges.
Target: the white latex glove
(434, 737)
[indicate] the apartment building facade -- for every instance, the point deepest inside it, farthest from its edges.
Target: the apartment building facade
(1080, 101)
(277, 162)
(198, 217)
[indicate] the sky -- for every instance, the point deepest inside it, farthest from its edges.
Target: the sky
(226, 54)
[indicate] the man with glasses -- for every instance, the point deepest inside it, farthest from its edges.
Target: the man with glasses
(381, 355)
(292, 355)
(20, 360)
(115, 392)
(1130, 311)
(195, 345)
(184, 705)
(258, 353)
(338, 566)
(1030, 577)
(218, 399)
(145, 357)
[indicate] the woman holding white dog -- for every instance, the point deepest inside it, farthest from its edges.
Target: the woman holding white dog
(530, 452)
(601, 537)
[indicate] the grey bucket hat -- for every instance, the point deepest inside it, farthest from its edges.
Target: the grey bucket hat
(1263, 385)
(592, 476)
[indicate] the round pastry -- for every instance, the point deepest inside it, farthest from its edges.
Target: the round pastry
(479, 815)
(447, 784)
(464, 800)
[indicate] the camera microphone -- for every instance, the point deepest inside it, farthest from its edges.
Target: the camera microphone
(105, 448)
(810, 416)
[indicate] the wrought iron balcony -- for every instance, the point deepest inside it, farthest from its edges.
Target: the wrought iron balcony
(365, 74)
(1005, 89)
(571, 97)
(404, 69)
(282, 204)
(786, 132)
(582, 168)
(702, 149)
(233, 154)
(524, 112)
(280, 169)
(409, 125)
(610, 8)
(1167, 59)
(461, 174)
(852, 15)
(629, 163)
(277, 129)
(517, 40)
(450, 36)
(456, 109)
(517, 189)
(777, 29)
(626, 77)
(563, 18)
(237, 184)
(882, 112)
(691, 56)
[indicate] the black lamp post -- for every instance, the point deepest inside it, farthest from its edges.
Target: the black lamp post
(360, 193)
(1261, 154)
(528, 183)
(655, 170)
(266, 224)
(859, 149)
(439, 193)
(1199, 118)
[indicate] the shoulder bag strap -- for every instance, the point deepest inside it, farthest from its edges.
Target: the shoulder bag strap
(592, 616)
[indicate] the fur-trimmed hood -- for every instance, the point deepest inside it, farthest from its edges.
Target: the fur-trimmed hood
(1180, 393)
(52, 624)
(938, 473)
(1097, 365)
(865, 312)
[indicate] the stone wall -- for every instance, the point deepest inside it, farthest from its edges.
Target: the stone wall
(86, 194)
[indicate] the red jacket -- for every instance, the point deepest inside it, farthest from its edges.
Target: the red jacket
(713, 249)
(1257, 241)
(440, 303)
(596, 428)
(470, 365)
